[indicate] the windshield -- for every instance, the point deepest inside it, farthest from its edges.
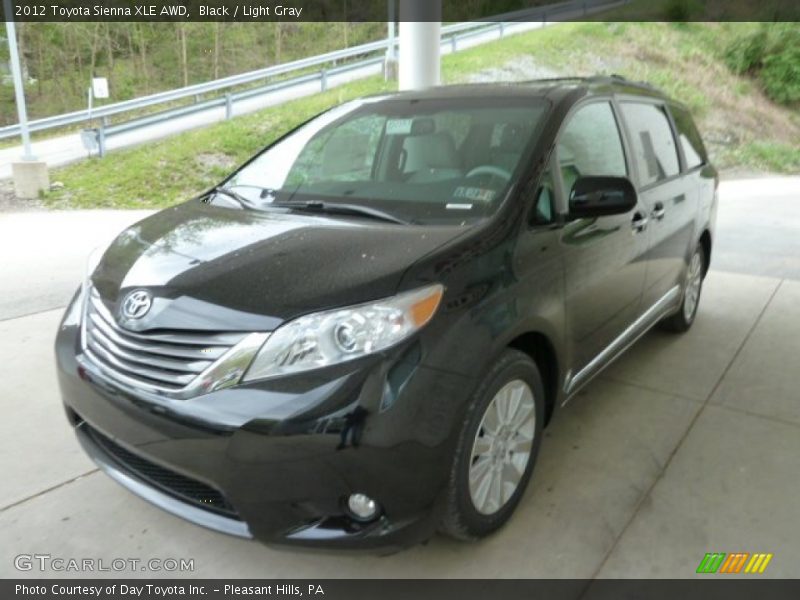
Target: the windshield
(430, 161)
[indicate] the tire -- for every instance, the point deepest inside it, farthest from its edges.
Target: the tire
(513, 380)
(682, 320)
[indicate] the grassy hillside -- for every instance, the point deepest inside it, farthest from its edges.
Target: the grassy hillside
(744, 129)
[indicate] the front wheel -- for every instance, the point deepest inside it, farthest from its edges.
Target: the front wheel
(683, 319)
(497, 448)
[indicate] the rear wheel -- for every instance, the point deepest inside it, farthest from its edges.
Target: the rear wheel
(497, 448)
(693, 286)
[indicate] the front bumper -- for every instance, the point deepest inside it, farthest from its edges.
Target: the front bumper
(276, 460)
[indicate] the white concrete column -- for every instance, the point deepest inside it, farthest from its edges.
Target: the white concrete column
(420, 33)
(390, 62)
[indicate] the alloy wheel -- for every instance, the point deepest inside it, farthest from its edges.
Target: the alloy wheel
(694, 281)
(502, 447)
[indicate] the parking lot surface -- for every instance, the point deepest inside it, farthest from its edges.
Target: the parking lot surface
(688, 444)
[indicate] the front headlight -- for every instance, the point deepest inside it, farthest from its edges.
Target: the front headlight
(335, 336)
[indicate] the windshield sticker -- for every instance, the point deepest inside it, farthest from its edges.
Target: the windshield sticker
(453, 206)
(474, 193)
(398, 126)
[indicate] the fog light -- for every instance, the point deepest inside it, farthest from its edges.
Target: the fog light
(362, 506)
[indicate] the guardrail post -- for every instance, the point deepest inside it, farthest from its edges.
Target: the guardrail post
(453, 44)
(501, 26)
(101, 140)
(228, 106)
(104, 121)
(323, 79)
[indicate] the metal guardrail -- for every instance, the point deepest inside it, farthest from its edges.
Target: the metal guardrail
(100, 134)
(451, 34)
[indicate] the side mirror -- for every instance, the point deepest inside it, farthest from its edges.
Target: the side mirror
(601, 196)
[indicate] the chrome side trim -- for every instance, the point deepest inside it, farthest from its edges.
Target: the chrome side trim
(624, 341)
(160, 499)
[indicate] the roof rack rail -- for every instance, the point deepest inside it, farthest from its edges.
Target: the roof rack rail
(554, 79)
(623, 79)
(612, 78)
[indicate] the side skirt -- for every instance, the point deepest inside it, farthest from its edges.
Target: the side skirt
(625, 340)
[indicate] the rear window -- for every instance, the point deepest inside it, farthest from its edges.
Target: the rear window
(692, 144)
(653, 144)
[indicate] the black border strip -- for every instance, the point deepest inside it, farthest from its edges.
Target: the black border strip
(711, 588)
(409, 10)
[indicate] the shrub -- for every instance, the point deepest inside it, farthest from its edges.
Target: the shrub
(772, 54)
(680, 10)
(781, 69)
(746, 54)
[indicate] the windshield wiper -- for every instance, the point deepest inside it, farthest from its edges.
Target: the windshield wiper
(244, 202)
(340, 208)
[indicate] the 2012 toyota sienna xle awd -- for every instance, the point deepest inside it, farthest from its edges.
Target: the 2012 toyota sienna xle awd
(357, 338)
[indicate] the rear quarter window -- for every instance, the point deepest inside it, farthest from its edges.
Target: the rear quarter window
(691, 143)
(654, 147)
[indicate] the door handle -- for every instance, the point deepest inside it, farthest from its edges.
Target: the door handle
(658, 211)
(639, 222)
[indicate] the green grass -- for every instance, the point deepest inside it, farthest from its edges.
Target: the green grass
(167, 171)
(767, 156)
(683, 59)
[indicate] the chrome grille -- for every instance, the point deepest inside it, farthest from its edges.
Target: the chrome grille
(163, 360)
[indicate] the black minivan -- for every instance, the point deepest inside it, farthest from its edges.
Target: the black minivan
(357, 338)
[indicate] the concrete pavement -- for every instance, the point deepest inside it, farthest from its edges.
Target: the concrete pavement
(752, 208)
(636, 477)
(687, 445)
(44, 254)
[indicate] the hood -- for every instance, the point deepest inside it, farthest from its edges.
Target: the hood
(213, 268)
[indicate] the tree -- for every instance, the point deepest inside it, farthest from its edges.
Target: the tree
(184, 62)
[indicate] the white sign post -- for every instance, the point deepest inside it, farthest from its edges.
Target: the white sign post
(30, 175)
(16, 75)
(98, 89)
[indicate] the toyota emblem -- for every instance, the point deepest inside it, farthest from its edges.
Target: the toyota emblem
(136, 304)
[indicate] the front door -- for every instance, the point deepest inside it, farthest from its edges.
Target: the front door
(604, 258)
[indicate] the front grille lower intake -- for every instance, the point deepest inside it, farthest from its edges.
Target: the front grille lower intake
(175, 484)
